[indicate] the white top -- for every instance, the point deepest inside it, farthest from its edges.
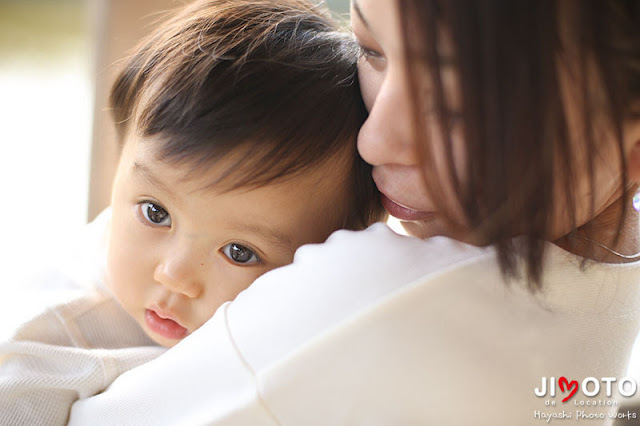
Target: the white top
(373, 328)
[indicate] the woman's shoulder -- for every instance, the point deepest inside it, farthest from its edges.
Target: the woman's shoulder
(331, 282)
(355, 274)
(365, 265)
(378, 249)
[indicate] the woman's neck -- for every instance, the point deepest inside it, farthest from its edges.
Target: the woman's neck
(588, 240)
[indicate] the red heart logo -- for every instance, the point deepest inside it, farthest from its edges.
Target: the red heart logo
(569, 384)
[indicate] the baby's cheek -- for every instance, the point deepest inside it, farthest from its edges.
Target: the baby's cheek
(123, 272)
(116, 264)
(111, 270)
(234, 283)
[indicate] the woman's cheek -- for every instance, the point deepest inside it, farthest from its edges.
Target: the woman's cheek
(370, 81)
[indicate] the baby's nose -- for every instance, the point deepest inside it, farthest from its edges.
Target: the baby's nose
(181, 272)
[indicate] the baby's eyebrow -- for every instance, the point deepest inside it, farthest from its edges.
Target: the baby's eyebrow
(267, 233)
(145, 172)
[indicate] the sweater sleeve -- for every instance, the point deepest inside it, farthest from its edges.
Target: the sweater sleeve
(70, 351)
(40, 381)
(201, 380)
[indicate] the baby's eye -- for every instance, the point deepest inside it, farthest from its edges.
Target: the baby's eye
(238, 253)
(155, 214)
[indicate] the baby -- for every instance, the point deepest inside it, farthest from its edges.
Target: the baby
(237, 122)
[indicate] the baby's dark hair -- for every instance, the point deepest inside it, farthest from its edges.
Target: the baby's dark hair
(273, 78)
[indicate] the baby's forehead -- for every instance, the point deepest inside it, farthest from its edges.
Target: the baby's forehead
(241, 170)
(241, 166)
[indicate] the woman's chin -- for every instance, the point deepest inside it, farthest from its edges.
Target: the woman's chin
(426, 228)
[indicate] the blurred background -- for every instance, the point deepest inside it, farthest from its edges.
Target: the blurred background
(58, 59)
(47, 53)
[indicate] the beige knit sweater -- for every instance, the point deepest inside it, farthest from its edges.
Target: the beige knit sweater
(72, 350)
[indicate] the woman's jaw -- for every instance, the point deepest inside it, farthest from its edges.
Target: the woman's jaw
(403, 197)
(406, 201)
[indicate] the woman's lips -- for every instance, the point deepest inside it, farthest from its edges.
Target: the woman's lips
(165, 327)
(401, 212)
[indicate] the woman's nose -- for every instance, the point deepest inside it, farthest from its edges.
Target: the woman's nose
(386, 135)
(182, 271)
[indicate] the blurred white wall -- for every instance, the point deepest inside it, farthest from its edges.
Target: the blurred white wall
(45, 134)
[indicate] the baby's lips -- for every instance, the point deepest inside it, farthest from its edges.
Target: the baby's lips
(165, 327)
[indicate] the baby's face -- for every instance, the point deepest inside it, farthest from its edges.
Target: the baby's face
(179, 248)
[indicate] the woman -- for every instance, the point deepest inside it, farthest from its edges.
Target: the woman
(502, 124)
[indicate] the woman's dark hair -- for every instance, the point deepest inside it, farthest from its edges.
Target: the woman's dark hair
(274, 80)
(507, 55)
